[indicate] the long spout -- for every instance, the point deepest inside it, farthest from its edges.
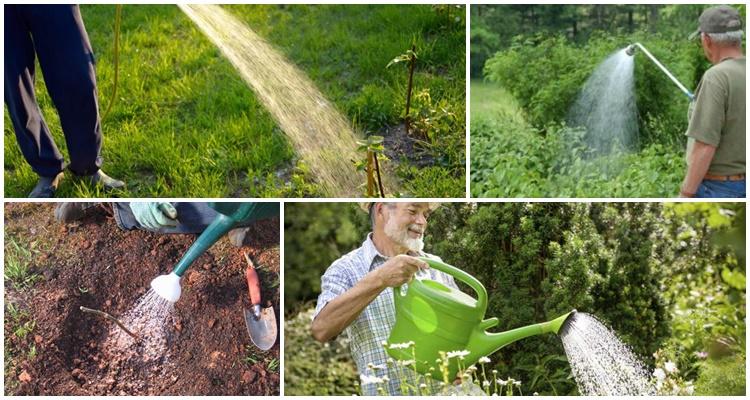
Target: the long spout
(630, 50)
(484, 343)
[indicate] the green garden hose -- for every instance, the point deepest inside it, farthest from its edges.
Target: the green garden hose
(118, 21)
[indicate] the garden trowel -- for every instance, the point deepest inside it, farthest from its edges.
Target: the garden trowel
(260, 321)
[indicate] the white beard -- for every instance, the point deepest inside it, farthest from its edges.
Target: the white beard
(402, 236)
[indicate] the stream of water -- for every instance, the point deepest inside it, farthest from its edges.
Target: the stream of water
(602, 364)
(606, 106)
(318, 131)
(151, 320)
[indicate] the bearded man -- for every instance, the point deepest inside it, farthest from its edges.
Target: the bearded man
(357, 293)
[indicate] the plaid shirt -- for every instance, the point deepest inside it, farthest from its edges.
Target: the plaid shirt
(373, 326)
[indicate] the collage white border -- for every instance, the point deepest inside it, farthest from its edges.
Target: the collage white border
(283, 201)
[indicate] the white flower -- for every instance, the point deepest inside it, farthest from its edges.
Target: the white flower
(501, 382)
(494, 371)
(690, 389)
(471, 368)
(379, 366)
(407, 363)
(535, 394)
(670, 367)
(401, 345)
(423, 386)
(486, 383)
(458, 353)
(517, 383)
(659, 374)
(370, 380)
(484, 360)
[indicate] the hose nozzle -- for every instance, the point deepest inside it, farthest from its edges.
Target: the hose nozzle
(630, 50)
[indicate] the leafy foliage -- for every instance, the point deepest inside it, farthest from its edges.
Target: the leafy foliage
(511, 159)
(313, 368)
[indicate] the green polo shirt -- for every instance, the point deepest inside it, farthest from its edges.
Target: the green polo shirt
(717, 116)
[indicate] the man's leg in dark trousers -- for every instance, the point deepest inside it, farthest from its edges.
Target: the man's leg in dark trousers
(32, 133)
(67, 63)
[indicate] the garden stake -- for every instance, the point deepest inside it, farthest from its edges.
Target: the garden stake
(111, 318)
(412, 61)
(380, 180)
(370, 175)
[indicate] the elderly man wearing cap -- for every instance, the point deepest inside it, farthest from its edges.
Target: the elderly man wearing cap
(716, 130)
(357, 289)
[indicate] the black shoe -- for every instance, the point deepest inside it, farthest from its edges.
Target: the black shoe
(237, 236)
(104, 180)
(46, 186)
(71, 211)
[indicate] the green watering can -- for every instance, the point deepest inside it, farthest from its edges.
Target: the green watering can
(230, 216)
(440, 318)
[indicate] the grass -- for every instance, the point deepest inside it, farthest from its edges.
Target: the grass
(17, 263)
(185, 125)
(254, 356)
(489, 99)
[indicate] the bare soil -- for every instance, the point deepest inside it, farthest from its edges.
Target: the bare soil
(93, 263)
(398, 146)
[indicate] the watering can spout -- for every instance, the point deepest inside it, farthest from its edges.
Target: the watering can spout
(485, 343)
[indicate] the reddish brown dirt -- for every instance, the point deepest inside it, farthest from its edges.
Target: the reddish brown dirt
(93, 263)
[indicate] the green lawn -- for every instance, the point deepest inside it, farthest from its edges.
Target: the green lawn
(185, 125)
(489, 99)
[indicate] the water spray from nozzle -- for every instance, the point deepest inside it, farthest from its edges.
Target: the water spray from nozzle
(630, 50)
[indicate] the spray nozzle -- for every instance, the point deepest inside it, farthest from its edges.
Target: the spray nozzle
(630, 50)
(168, 287)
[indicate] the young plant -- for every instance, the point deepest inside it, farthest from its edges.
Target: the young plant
(411, 57)
(375, 152)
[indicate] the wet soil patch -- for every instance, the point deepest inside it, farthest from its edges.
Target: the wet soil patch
(399, 146)
(93, 263)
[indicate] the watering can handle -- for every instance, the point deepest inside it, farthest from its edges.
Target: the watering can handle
(463, 277)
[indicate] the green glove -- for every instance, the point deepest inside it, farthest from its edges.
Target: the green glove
(154, 215)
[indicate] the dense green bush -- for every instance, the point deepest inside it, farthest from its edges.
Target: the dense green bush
(314, 369)
(531, 164)
(546, 74)
(725, 377)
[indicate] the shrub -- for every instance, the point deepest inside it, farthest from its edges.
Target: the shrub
(724, 377)
(314, 369)
(510, 159)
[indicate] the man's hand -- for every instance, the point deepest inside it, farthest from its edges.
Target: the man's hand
(399, 270)
(154, 215)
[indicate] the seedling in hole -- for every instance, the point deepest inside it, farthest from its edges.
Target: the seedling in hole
(374, 150)
(411, 57)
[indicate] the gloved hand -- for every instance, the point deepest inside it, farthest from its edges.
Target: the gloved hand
(154, 215)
